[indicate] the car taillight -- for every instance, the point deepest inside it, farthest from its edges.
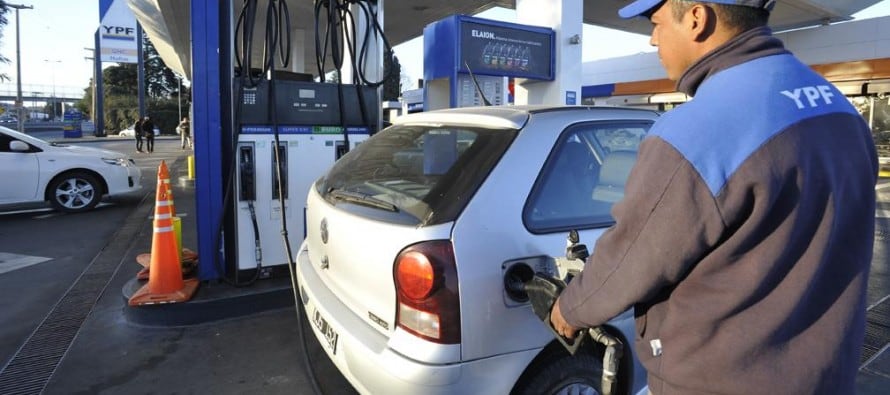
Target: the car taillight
(415, 275)
(426, 292)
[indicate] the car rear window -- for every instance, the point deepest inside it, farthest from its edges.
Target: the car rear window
(413, 174)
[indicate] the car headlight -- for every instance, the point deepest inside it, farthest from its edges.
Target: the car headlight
(117, 161)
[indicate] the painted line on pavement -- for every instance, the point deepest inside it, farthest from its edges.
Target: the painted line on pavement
(10, 261)
(877, 303)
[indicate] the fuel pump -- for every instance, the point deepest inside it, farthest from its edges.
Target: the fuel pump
(312, 124)
(247, 193)
(247, 170)
(287, 130)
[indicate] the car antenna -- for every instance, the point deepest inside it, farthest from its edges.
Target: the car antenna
(478, 89)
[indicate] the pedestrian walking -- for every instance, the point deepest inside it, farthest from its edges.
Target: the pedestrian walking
(185, 134)
(763, 288)
(148, 130)
(137, 133)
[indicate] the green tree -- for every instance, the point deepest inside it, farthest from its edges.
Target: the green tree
(333, 77)
(52, 108)
(160, 81)
(121, 90)
(121, 80)
(85, 104)
(392, 85)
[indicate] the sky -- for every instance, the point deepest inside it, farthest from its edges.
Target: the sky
(57, 35)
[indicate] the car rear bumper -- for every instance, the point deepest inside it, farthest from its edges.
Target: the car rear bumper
(363, 356)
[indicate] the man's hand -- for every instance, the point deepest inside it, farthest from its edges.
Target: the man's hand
(559, 323)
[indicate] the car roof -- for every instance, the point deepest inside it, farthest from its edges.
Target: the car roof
(515, 117)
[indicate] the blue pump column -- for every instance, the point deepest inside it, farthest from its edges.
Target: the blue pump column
(207, 130)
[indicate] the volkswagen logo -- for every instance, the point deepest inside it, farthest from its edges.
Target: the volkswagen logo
(324, 230)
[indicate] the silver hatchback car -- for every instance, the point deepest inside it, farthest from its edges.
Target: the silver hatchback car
(411, 236)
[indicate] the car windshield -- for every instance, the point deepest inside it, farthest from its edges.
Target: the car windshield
(415, 174)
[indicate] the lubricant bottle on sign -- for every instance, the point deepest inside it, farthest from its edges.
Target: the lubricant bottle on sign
(523, 62)
(496, 55)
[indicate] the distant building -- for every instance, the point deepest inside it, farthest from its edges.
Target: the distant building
(38, 116)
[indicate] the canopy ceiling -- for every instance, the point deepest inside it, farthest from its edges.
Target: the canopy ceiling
(167, 22)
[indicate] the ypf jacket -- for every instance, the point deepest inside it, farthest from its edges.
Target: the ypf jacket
(745, 236)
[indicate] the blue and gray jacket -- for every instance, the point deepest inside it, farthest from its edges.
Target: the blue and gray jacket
(745, 236)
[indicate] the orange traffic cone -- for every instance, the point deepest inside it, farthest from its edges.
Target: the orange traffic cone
(188, 258)
(164, 179)
(165, 282)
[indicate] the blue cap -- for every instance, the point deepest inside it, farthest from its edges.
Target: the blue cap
(641, 7)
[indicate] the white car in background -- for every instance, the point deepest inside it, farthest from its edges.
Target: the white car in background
(131, 132)
(72, 178)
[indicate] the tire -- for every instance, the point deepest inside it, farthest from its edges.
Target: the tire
(74, 192)
(565, 375)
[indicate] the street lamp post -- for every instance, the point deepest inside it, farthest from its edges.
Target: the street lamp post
(19, 104)
(179, 97)
(53, 97)
(93, 115)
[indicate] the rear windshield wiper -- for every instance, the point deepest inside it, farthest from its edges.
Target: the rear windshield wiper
(362, 199)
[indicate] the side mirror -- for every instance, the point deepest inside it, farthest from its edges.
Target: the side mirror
(19, 146)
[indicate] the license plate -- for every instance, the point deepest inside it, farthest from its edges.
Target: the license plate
(330, 336)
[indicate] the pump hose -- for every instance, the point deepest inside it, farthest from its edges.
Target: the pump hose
(339, 35)
(275, 15)
(258, 248)
(244, 34)
(278, 14)
(611, 357)
(337, 14)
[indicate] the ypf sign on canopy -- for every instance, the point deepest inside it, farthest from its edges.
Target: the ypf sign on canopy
(117, 33)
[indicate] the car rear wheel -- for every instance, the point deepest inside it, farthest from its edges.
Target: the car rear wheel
(565, 375)
(74, 192)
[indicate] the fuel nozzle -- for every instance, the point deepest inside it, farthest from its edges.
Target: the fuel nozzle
(543, 290)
